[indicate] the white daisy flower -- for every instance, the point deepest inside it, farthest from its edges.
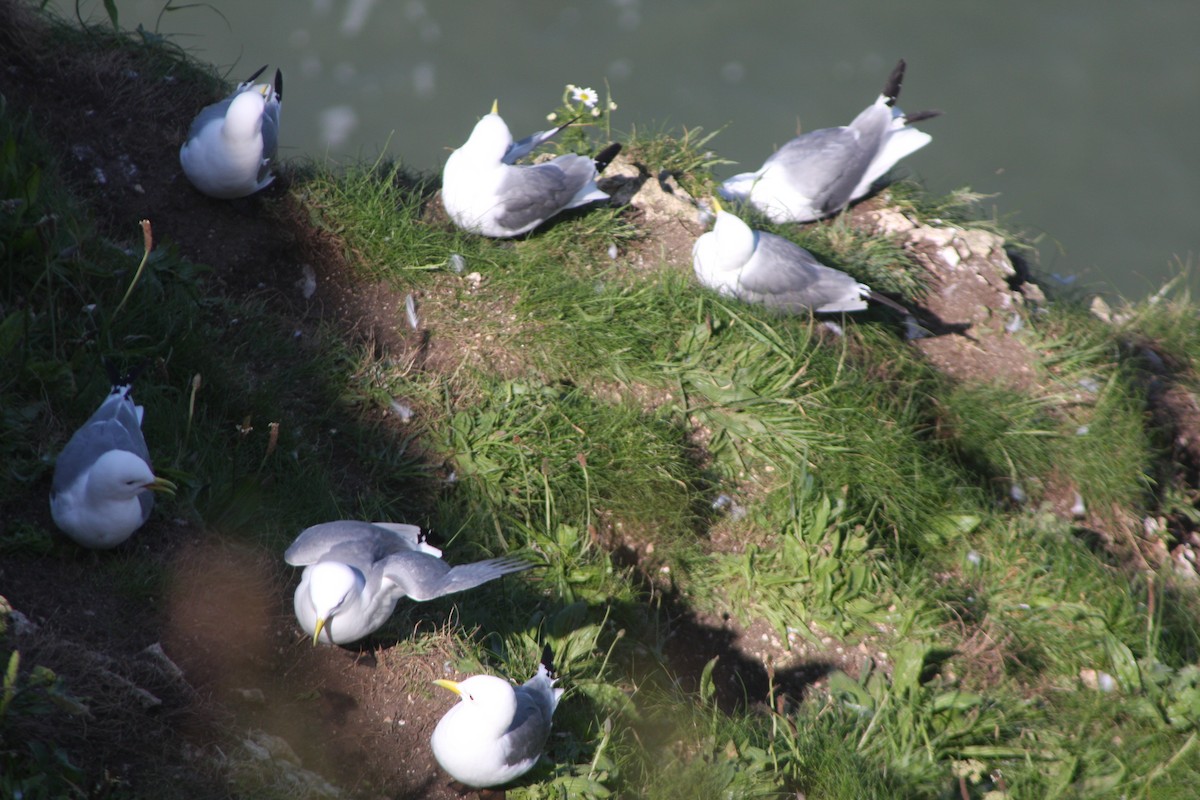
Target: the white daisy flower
(585, 95)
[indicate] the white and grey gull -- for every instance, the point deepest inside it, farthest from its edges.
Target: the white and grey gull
(760, 267)
(232, 143)
(820, 172)
(484, 191)
(103, 486)
(356, 572)
(496, 732)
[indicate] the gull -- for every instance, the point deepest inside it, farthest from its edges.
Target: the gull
(102, 490)
(355, 572)
(820, 172)
(496, 731)
(231, 143)
(485, 192)
(760, 267)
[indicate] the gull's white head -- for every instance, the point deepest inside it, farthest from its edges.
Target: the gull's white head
(489, 701)
(243, 119)
(735, 239)
(119, 476)
(491, 138)
(330, 585)
(724, 249)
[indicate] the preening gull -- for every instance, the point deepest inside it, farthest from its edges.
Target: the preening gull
(760, 267)
(496, 731)
(485, 192)
(231, 143)
(103, 486)
(820, 172)
(355, 572)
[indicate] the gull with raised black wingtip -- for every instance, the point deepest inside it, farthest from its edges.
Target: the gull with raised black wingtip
(821, 172)
(484, 191)
(232, 143)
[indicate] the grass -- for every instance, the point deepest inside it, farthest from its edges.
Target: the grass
(662, 451)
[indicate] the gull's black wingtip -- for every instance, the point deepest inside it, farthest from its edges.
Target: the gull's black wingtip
(278, 84)
(929, 113)
(567, 124)
(606, 156)
(889, 302)
(891, 89)
(548, 661)
(254, 77)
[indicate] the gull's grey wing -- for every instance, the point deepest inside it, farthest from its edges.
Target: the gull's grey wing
(825, 165)
(527, 734)
(270, 128)
(784, 275)
(536, 193)
(424, 577)
(353, 542)
(90, 442)
(120, 408)
(115, 425)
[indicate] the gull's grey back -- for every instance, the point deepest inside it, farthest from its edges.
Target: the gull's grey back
(353, 542)
(115, 425)
(820, 165)
(788, 277)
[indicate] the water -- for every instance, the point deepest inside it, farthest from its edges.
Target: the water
(1080, 117)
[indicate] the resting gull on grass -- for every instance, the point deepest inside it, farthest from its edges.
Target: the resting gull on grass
(355, 572)
(496, 731)
(103, 486)
(760, 267)
(231, 143)
(485, 192)
(820, 172)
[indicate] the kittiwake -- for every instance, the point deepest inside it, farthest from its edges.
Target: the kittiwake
(820, 172)
(102, 490)
(485, 192)
(231, 143)
(759, 267)
(496, 732)
(355, 572)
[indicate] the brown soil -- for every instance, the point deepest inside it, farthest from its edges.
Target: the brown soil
(361, 717)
